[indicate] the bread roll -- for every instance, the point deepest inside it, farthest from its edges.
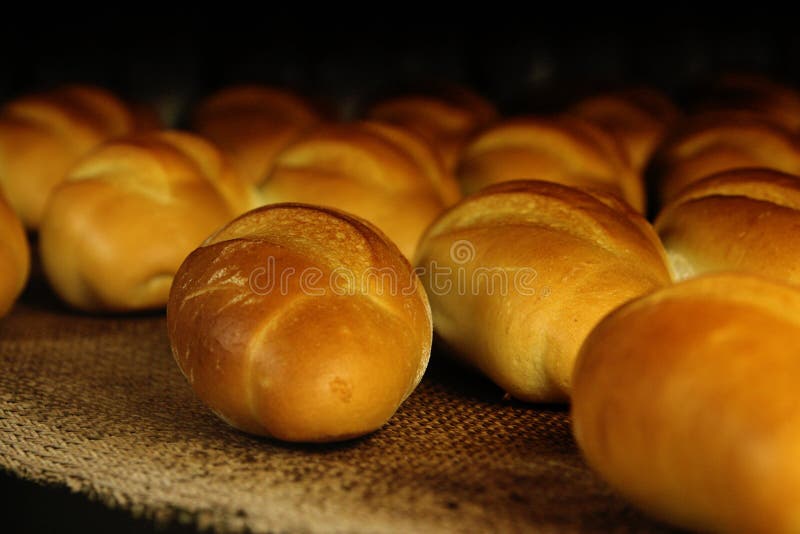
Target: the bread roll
(741, 220)
(42, 136)
(713, 142)
(446, 119)
(116, 230)
(519, 273)
(374, 170)
(686, 403)
(567, 150)
(14, 257)
(253, 124)
(301, 323)
(639, 118)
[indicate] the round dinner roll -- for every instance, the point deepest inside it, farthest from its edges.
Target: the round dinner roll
(446, 119)
(377, 171)
(253, 124)
(638, 117)
(713, 142)
(115, 231)
(519, 273)
(565, 149)
(740, 220)
(42, 136)
(14, 257)
(686, 402)
(301, 323)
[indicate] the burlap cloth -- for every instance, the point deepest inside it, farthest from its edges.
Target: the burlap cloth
(97, 404)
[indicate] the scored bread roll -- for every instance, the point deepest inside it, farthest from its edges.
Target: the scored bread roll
(14, 257)
(376, 171)
(713, 142)
(686, 403)
(118, 227)
(566, 150)
(300, 323)
(520, 272)
(446, 119)
(638, 117)
(741, 220)
(42, 136)
(253, 124)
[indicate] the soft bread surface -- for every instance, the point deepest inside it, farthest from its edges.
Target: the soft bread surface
(14, 257)
(686, 402)
(116, 230)
(301, 323)
(566, 150)
(519, 273)
(639, 117)
(42, 136)
(714, 142)
(374, 170)
(743, 220)
(253, 124)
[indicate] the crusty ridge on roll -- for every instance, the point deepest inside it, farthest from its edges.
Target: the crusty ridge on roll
(43, 135)
(686, 402)
(520, 272)
(116, 230)
(566, 150)
(741, 220)
(374, 170)
(14, 257)
(300, 322)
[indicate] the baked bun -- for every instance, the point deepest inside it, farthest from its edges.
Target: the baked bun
(14, 257)
(639, 118)
(446, 119)
(686, 403)
(741, 220)
(42, 136)
(253, 124)
(566, 150)
(116, 230)
(713, 142)
(377, 171)
(519, 273)
(300, 323)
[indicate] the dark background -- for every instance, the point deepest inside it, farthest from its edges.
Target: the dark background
(525, 61)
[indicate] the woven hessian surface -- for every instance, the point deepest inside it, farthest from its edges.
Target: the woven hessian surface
(97, 404)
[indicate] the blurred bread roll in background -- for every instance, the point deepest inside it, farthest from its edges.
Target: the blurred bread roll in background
(253, 124)
(377, 171)
(686, 403)
(43, 135)
(116, 230)
(741, 220)
(564, 149)
(713, 142)
(519, 273)
(276, 352)
(446, 118)
(638, 117)
(14, 257)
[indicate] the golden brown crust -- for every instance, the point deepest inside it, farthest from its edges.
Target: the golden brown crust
(714, 142)
(253, 124)
(566, 150)
(277, 352)
(115, 231)
(374, 170)
(43, 135)
(14, 257)
(520, 272)
(446, 120)
(686, 402)
(743, 220)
